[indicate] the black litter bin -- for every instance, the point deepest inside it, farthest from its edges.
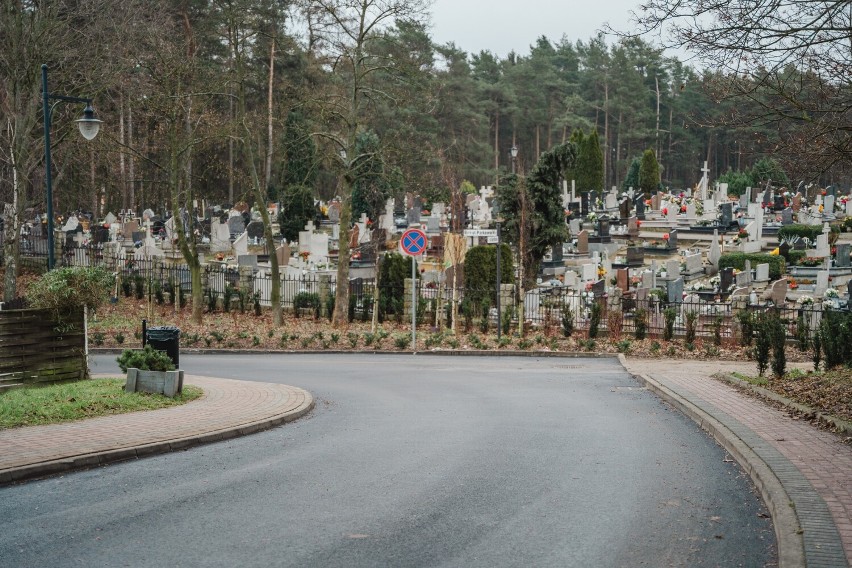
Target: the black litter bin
(165, 338)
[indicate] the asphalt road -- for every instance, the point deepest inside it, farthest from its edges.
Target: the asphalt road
(412, 461)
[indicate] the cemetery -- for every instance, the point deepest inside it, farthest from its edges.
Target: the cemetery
(693, 268)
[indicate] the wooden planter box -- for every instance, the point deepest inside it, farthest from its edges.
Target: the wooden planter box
(168, 383)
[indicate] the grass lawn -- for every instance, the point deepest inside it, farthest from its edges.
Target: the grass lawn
(76, 400)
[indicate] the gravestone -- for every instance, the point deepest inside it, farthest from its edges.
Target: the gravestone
(635, 256)
(589, 272)
(715, 250)
(632, 227)
(821, 283)
(622, 280)
(648, 279)
(726, 279)
(236, 225)
(828, 205)
(761, 273)
(282, 253)
(241, 245)
(849, 290)
(247, 260)
(674, 291)
(599, 288)
(624, 209)
(797, 202)
(673, 239)
(777, 293)
(822, 248)
(672, 268)
(574, 225)
(583, 242)
(726, 216)
(779, 203)
(655, 202)
(743, 279)
(671, 213)
(603, 228)
(642, 298)
(413, 215)
(842, 258)
(640, 207)
(255, 230)
(584, 203)
(787, 216)
(129, 228)
(334, 212)
(574, 208)
(694, 264)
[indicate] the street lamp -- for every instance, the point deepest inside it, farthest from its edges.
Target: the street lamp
(514, 153)
(88, 125)
(497, 219)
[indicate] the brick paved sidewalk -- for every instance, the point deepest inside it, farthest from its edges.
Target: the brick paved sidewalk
(820, 484)
(227, 409)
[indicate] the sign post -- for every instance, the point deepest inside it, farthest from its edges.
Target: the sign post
(413, 243)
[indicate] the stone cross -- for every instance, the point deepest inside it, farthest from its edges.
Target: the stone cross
(705, 180)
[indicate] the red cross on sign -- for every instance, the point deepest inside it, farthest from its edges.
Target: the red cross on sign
(413, 242)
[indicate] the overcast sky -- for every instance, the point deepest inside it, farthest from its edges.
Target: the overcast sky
(501, 26)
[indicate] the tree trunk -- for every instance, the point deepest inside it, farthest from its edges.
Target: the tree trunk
(131, 165)
(606, 153)
(340, 319)
(269, 145)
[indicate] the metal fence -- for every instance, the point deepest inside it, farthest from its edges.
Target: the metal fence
(543, 307)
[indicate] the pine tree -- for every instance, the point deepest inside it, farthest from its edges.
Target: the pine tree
(632, 179)
(649, 173)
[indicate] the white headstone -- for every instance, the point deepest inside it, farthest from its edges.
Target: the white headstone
(821, 283)
(761, 273)
(241, 245)
(715, 250)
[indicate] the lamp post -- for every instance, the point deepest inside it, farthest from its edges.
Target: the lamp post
(88, 125)
(497, 220)
(514, 153)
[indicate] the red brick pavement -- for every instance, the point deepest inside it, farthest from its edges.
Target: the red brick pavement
(824, 460)
(228, 408)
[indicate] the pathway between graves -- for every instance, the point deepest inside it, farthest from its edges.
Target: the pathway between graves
(812, 465)
(227, 409)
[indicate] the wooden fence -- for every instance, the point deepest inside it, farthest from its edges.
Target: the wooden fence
(35, 348)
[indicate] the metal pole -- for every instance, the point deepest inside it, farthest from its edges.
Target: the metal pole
(499, 319)
(47, 179)
(413, 304)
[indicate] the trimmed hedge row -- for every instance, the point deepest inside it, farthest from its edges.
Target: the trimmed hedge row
(777, 265)
(803, 231)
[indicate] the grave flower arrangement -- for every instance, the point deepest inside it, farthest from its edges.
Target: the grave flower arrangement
(805, 300)
(592, 217)
(831, 293)
(810, 261)
(742, 234)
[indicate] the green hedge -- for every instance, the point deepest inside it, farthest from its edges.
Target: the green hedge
(738, 259)
(803, 231)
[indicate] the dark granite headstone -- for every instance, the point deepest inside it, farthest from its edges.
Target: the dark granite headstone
(779, 203)
(640, 208)
(727, 214)
(849, 289)
(557, 253)
(787, 216)
(574, 208)
(635, 256)
(584, 203)
(255, 230)
(784, 250)
(599, 288)
(842, 258)
(624, 209)
(236, 225)
(603, 227)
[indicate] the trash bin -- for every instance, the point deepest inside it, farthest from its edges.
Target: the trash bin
(165, 338)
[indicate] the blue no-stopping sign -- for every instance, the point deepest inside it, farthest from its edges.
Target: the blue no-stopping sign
(413, 242)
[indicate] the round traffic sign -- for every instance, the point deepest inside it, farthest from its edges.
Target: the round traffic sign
(413, 242)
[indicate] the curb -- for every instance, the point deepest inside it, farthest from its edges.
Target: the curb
(449, 352)
(838, 424)
(83, 461)
(788, 531)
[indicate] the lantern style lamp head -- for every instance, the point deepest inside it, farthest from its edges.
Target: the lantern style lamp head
(514, 151)
(89, 125)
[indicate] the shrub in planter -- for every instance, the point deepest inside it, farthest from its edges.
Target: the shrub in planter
(670, 315)
(147, 359)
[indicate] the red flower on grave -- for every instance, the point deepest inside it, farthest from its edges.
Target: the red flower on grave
(683, 208)
(664, 210)
(665, 236)
(638, 223)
